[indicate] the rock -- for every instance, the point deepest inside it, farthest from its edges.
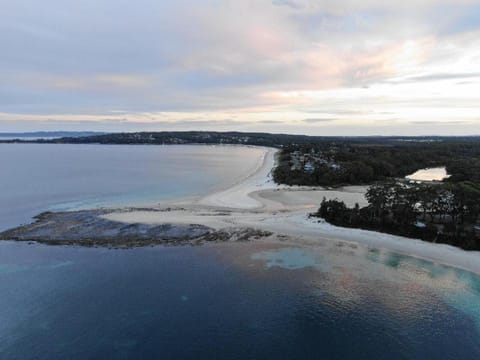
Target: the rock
(90, 228)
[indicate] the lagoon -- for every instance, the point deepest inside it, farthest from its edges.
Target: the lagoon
(429, 174)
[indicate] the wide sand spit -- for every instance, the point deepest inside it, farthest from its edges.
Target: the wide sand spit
(257, 202)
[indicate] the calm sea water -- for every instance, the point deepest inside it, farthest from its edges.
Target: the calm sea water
(233, 301)
(35, 178)
(218, 301)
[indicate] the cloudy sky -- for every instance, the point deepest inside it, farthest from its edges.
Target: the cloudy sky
(332, 67)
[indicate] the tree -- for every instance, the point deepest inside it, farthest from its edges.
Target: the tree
(380, 196)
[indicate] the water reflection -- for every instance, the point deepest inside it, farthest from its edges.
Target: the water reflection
(354, 276)
(235, 301)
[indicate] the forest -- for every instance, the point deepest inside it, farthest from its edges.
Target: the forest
(336, 163)
(436, 212)
(442, 212)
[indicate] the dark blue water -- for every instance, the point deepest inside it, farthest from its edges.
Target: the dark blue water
(233, 301)
(223, 301)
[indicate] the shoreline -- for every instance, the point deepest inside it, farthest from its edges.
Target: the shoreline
(256, 202)
(238, 195)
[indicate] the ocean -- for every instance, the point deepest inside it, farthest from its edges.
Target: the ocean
(42, 177)
(252, 300)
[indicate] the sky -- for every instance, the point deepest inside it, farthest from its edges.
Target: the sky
(319, 67)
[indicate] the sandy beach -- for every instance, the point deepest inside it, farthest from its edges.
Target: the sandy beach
(257, 202)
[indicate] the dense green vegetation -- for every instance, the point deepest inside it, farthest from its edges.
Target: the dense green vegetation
(363, 163)
(446, 212)
(443, 213)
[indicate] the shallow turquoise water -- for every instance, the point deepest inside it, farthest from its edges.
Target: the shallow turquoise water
(459, 288)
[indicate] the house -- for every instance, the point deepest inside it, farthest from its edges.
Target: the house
(309, 167)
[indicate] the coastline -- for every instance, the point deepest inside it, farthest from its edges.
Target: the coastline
(255, 202)
(238, 195)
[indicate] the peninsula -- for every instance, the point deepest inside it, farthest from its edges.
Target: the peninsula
(256, 208)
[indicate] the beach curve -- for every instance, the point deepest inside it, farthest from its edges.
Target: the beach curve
(257, 202)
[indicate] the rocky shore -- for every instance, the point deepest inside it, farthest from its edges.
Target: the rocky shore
(254, 208)
(91, 228)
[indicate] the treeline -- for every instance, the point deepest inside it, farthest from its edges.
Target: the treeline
(442, 213)
(364, 163)
(182, 137)
(248, 138)
(190, 137)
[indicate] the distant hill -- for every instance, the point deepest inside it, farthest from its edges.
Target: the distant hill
(251, 138)
(231, 137)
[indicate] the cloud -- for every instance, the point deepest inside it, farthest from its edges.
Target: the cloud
(270, 122)
(440, 77)
(294, 4)
(260, 62)
(454, 123)
(353, 6)
(318, 120)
